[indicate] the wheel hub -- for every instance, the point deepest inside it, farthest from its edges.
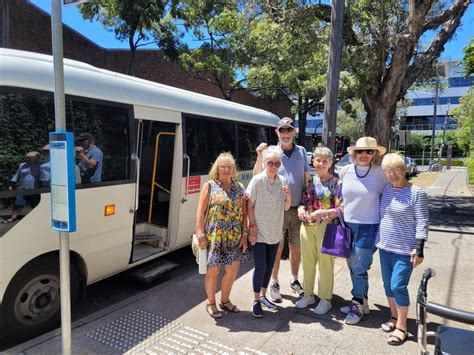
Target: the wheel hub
(38, 300)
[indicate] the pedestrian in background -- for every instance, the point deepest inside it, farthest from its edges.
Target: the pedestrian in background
(400, 240)
(322, 198)
(362, 184)
(268, 198)
(295, 169)
(224, 232)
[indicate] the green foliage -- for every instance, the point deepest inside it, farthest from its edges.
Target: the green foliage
(468, 61)
(351, 119)
(465, 116)
(140, 22)
(470, 170)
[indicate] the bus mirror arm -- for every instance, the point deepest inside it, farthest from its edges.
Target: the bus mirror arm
(186, 191)
(136, 159)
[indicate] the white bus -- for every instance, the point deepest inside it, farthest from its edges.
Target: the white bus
(158, 143)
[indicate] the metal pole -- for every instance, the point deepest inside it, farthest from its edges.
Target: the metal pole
(423, 160)
(60, 123)
(433, 126)
(334, 64)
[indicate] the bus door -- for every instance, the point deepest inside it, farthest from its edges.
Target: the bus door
(156, 141)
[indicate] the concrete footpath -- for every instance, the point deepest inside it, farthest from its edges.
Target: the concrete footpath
(171, 317)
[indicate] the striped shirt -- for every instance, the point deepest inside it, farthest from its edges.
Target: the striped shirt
(362, 194)
(404, 218)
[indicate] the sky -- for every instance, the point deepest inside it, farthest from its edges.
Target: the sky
(95, 32)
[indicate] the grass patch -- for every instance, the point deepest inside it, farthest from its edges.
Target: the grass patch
(424, 179)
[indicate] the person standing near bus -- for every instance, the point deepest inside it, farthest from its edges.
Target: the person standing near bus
(91, 158)
(268, 197)
(295, 169)
(221, 226)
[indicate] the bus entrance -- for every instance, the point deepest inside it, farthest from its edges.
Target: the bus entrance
(156, 152)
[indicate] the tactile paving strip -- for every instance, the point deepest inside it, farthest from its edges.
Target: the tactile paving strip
(144, 333)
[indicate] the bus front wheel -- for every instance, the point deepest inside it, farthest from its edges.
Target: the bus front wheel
(31, 304)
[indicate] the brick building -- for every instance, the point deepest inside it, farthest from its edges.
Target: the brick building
(30, 30)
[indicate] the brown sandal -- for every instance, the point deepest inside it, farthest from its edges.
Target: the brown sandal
(395, 339)
(211, 312)
(228, 306)
(389, 326)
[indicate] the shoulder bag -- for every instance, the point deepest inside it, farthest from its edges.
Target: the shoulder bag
(337, 239)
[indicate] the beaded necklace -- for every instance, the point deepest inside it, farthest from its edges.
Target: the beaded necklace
(362, 176)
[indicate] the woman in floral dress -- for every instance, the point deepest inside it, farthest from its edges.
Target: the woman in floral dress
(223, 232)
(321, 201)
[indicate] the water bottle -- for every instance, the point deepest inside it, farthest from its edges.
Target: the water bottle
(202, 261)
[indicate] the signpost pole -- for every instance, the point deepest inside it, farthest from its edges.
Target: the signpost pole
(60, 124)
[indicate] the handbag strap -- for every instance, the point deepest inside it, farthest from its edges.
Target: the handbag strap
(339, 216)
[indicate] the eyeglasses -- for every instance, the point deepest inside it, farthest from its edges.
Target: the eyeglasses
(366, 151)
(285, 129)
(275, 164)
(393, 171)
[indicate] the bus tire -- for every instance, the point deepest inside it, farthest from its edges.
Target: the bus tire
(31, 305)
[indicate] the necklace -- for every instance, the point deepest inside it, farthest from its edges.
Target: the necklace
(362, 176)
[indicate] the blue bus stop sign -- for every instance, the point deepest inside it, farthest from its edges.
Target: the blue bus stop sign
(63, 181)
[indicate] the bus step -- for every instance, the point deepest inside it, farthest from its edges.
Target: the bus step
(151, 272)
(146, 237)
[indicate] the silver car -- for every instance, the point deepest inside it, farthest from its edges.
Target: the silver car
(345, 160)
(412, 167)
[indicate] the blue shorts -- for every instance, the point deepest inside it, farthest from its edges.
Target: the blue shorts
(396, 273)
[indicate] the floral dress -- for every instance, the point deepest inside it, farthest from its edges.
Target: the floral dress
(322, 195)
(224, 224)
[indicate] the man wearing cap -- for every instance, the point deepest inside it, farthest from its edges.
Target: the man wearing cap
(295, 169)
(91, 158)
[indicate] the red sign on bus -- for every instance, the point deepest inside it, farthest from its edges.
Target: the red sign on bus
(194, 184)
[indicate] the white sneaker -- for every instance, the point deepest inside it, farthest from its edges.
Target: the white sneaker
(323, 307)
(296, 287)
(275, 294)
(355, 314)
(365, 308)
(305, 301)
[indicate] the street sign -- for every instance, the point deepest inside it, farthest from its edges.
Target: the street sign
(63, 181)
(74, 2)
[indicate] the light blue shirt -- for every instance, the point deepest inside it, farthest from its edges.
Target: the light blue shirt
(293, 169)
(95, 173)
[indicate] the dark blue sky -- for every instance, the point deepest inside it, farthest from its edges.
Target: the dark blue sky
(96, 33)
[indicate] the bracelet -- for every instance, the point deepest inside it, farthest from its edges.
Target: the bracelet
(252, 225)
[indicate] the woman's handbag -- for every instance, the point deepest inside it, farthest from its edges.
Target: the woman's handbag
(195, 238)
(337, 239)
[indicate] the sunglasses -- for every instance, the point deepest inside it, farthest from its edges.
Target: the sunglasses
(367, 151)
(275, 164)
(285, 129)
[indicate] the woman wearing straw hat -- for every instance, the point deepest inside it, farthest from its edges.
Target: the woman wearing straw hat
(362, 184)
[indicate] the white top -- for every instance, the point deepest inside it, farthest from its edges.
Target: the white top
(269, 206)
(362, 194)
(404, 218)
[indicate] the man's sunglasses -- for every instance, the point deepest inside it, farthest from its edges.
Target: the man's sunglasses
(367, 151)
(276, 164)
(285, 129)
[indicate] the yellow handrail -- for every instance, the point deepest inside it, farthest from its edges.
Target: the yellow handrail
(153, 182)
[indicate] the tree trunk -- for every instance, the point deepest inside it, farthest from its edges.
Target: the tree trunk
(133, 50)
(301, 121)
(379, 119)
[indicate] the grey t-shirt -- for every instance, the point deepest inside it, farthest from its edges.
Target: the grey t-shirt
(269, 204)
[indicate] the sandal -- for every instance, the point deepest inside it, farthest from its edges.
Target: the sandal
(389, 326)
(213, 313)
(395, 339)
(228, 306)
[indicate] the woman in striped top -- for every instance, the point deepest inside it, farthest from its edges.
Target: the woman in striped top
(401, 237)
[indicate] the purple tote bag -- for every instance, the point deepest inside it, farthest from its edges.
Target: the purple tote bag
(337, 239)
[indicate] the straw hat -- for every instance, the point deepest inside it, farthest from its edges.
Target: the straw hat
(365, 143)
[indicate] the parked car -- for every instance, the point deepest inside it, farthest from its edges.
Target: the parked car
(412, 167)
(345, 160)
